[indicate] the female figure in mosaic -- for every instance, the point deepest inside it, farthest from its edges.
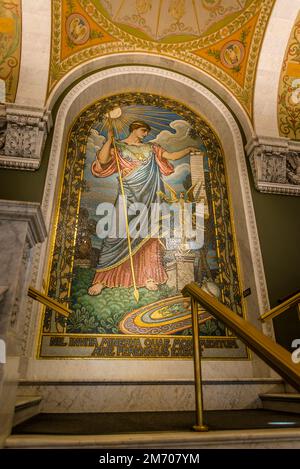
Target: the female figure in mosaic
(142, 166)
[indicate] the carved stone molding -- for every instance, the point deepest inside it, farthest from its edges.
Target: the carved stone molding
(23, 132)
(29, 212)
(275, 164)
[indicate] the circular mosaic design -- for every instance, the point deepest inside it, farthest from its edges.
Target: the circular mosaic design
(167, 316)
(78, 29)
(232, 54)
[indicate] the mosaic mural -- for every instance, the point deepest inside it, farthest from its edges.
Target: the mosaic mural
(10, 46)
(124, 290)
(289, 89)
(221, 37)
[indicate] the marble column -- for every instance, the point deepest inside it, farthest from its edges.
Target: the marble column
(21, 228)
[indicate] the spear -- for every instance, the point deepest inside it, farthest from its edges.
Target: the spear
(135, 290)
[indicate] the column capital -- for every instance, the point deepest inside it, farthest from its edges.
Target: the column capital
(23, 133)
(275, 164)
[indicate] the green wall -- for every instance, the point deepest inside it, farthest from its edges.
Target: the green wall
(25, 185)
(29, 185)
(278, 224)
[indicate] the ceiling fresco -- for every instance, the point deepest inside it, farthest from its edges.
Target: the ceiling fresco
(163, 20)
(289, 88)
(10, 46)
(220, 37)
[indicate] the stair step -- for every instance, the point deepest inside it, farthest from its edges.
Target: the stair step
(284, 402)
(26, 407)
(243, 439)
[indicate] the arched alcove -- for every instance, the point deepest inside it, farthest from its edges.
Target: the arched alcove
(201, 101)
(164, 64)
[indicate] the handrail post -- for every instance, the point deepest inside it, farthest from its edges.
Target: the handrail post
(200, 426)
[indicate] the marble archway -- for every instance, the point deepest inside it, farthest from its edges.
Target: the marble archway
(201, 101)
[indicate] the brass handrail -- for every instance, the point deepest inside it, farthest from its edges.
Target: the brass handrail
(281, 308)
(46, 300)
(200, 426)
(271, 353)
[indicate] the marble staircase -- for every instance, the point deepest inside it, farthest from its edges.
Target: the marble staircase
(283, 438)
(261, 438)
(26, 407)
(283, 402)
(70, 396)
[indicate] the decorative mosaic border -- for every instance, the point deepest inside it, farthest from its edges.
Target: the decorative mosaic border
(63, 249)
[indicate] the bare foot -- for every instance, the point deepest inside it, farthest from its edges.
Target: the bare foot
(151, 285)
(96, 289)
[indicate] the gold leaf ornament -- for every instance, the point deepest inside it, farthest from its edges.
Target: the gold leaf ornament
(177, 9)
(143, 6)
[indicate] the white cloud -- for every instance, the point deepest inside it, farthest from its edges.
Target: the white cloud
(95, 142)
(97, 138)
(180, 172)
(178, 140)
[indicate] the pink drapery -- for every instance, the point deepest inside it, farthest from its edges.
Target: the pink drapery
(147, 262)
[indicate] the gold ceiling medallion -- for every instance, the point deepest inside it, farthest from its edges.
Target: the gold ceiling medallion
(232, 54)
(78, 29)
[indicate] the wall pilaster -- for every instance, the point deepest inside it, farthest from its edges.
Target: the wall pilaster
(21, 228)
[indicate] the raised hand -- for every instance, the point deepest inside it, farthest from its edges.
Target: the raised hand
(195, 150)
(110, 135)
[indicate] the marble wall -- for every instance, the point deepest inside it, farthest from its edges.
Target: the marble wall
(147, 396)
(21, 228)
(36, 25)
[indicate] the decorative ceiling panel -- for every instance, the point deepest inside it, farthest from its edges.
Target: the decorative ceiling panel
(220, 37)
(167, 19)
(289, 88)
(10, 46)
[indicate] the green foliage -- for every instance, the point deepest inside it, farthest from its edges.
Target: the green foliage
(82, 320)
(95, 34)
(214, 53)
(71, 5)
(102, 313)
(244, 35)
(212, 328)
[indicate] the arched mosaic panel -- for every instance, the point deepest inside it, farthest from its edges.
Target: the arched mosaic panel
(124, 292)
